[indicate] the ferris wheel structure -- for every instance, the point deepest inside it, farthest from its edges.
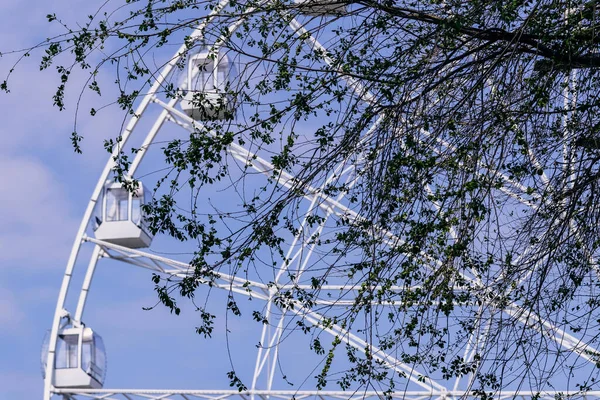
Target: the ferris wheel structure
(113, 225)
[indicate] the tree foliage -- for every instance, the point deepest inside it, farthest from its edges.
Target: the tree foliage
(454, 144)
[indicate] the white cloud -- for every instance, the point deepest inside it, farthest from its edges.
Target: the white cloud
(37, 227)
(20, 385)
(12, 317)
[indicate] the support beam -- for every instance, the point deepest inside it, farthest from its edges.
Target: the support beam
(98, 394)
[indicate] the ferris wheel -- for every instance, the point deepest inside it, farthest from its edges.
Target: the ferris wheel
(114, 227)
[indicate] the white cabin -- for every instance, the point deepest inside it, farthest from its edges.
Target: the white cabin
(208, 78)
(80, 359)
(120, 218)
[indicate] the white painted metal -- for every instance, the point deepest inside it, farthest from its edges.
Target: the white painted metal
(87, 283)
(168, 266)
(107, 394)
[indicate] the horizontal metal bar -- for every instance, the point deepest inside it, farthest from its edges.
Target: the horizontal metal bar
(291, 394)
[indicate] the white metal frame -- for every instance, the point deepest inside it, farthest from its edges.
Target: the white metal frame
(265, 361)
(107, 394)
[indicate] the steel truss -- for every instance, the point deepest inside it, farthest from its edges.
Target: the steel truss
(266, 292)
(301, 395)
(236, 284)
(297, 261)
(335, 207)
